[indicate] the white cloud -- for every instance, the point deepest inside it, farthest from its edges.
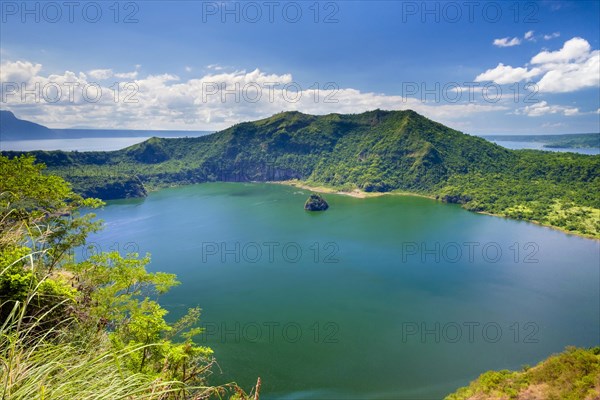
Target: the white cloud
(552, 36)
(100, 74)
(505, 74)
(571, 68)
(529, 35)
(570, 77)
(188, 69)
(569, 112)
(543, 108)
(575, 66)
(573, 50)
(215, 67)
(507, 42)
(127, 75)
(19, 71)
(166, 101)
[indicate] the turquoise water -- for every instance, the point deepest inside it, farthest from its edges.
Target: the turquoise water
(385, 298)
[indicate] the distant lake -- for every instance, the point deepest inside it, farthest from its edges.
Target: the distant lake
(92, 139)
(80, 144)
(540, 146)
(104, 143)
(381, 298)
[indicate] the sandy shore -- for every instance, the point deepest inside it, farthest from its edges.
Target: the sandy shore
(357, 193)
(360, 194)
(323, 189)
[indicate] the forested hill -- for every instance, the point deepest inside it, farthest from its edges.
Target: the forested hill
(374, 151)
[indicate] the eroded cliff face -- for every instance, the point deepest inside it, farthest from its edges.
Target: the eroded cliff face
(113, 188)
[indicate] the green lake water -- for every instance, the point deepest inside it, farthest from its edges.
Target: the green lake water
(393, 297)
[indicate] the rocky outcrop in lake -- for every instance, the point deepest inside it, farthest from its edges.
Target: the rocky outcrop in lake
(316, 203)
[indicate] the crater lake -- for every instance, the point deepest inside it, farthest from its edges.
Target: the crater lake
(404, 294)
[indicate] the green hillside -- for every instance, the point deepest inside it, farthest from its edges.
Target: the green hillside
(376, 151)
(571, 375)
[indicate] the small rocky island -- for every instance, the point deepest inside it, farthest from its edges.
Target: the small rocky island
(316, 203)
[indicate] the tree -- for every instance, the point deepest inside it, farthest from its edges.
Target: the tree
(88, 329)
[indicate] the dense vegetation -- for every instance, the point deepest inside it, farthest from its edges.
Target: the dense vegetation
(571, 375)
(377, 151)
(570, 141)
(84, 329)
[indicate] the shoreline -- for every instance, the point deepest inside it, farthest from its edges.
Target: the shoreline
(556, 228)
(356, 193)
(359, 194)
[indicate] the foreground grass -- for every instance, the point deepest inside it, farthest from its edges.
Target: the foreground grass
(571, 375)
(90, 329)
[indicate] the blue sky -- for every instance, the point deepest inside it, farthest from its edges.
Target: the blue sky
(172, 60)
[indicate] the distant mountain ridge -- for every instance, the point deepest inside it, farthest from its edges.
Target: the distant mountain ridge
(13, 128)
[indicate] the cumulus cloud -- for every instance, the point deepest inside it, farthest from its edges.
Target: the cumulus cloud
(528, 35)
(543, 108)
(505, 74)
(507, 42)
(573, 50)
(573, 67)
(214, 100)
(19, 71)
(569, 77)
